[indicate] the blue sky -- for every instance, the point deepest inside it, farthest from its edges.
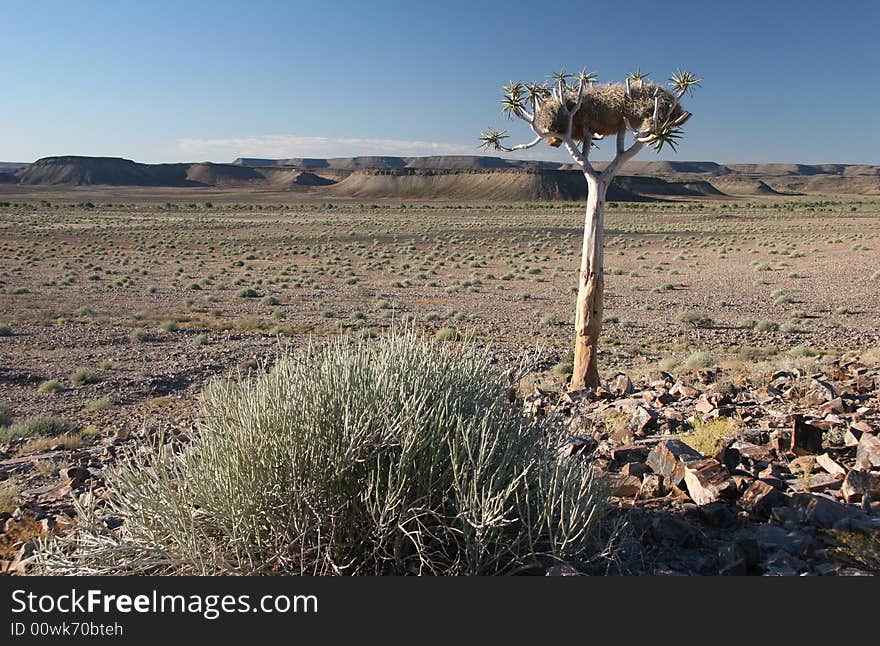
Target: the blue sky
(189, 81)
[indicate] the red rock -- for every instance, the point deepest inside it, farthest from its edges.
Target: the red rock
(652, 486)
(625, 486)
(851, 437)
(632, 453)
(641, 419)
(805, 438)
(827, 462)
(667, 459)
(704, 405)
(868, 452)
(859, 484)
(836, 405)
(760, 498)
(637, 469)
(707, 481)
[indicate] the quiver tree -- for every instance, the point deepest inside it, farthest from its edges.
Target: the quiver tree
(576, 114)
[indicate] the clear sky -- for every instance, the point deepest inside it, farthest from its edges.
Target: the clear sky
(785, 81)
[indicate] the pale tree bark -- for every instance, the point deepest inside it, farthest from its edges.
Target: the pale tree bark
(591, 288)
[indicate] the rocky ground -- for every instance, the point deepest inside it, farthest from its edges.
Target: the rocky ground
(743, 439)
(776, 476)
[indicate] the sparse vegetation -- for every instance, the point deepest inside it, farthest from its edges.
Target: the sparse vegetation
(84, 377)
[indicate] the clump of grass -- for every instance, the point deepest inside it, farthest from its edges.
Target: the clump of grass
(446, 334)
(5, 330)
(698, 360)
(50, 386)
(84, 377)
(669, 363)
(247, 292)
(34, 426)
(98, 404)
(168, 326)
(747, 324)
(9, 493)
(139, 335)
(399, 457)
(697, 319)
(802, 351)
(767, 326)
(707, 437)
(563, 368)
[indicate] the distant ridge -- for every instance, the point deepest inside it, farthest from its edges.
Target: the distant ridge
(451, 177)
(437, 162)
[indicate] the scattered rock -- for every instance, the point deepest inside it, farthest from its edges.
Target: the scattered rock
(806, 438)
(707, 481)
(868, 452)
(760, 498)
(668, 459)
(827, 462)
(859, 484)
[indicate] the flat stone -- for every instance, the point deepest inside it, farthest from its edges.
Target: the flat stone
(625, 486)
(823, 511)
(707, 481)
(827, 462)
(868, 452)
(668, 458)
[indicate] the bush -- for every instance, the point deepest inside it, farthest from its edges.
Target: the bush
(35, 426)
(767, 326)
(446, 334)
(84, 376)
(699, 360)
(697, 319)
(5, 330)
(707, 437)
(398, 456)
(50, 386)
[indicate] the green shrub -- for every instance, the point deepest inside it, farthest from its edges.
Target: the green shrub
(84, 376)
(767, 326)
(35, 426)
(697, 319)
(446, 334)
(50, 386)
(699, 360)
(398, 456)
(98, 404)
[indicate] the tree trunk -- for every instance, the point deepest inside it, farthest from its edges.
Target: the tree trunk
(591, 285)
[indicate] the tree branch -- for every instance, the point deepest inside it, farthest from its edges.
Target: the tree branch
(531, 144)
